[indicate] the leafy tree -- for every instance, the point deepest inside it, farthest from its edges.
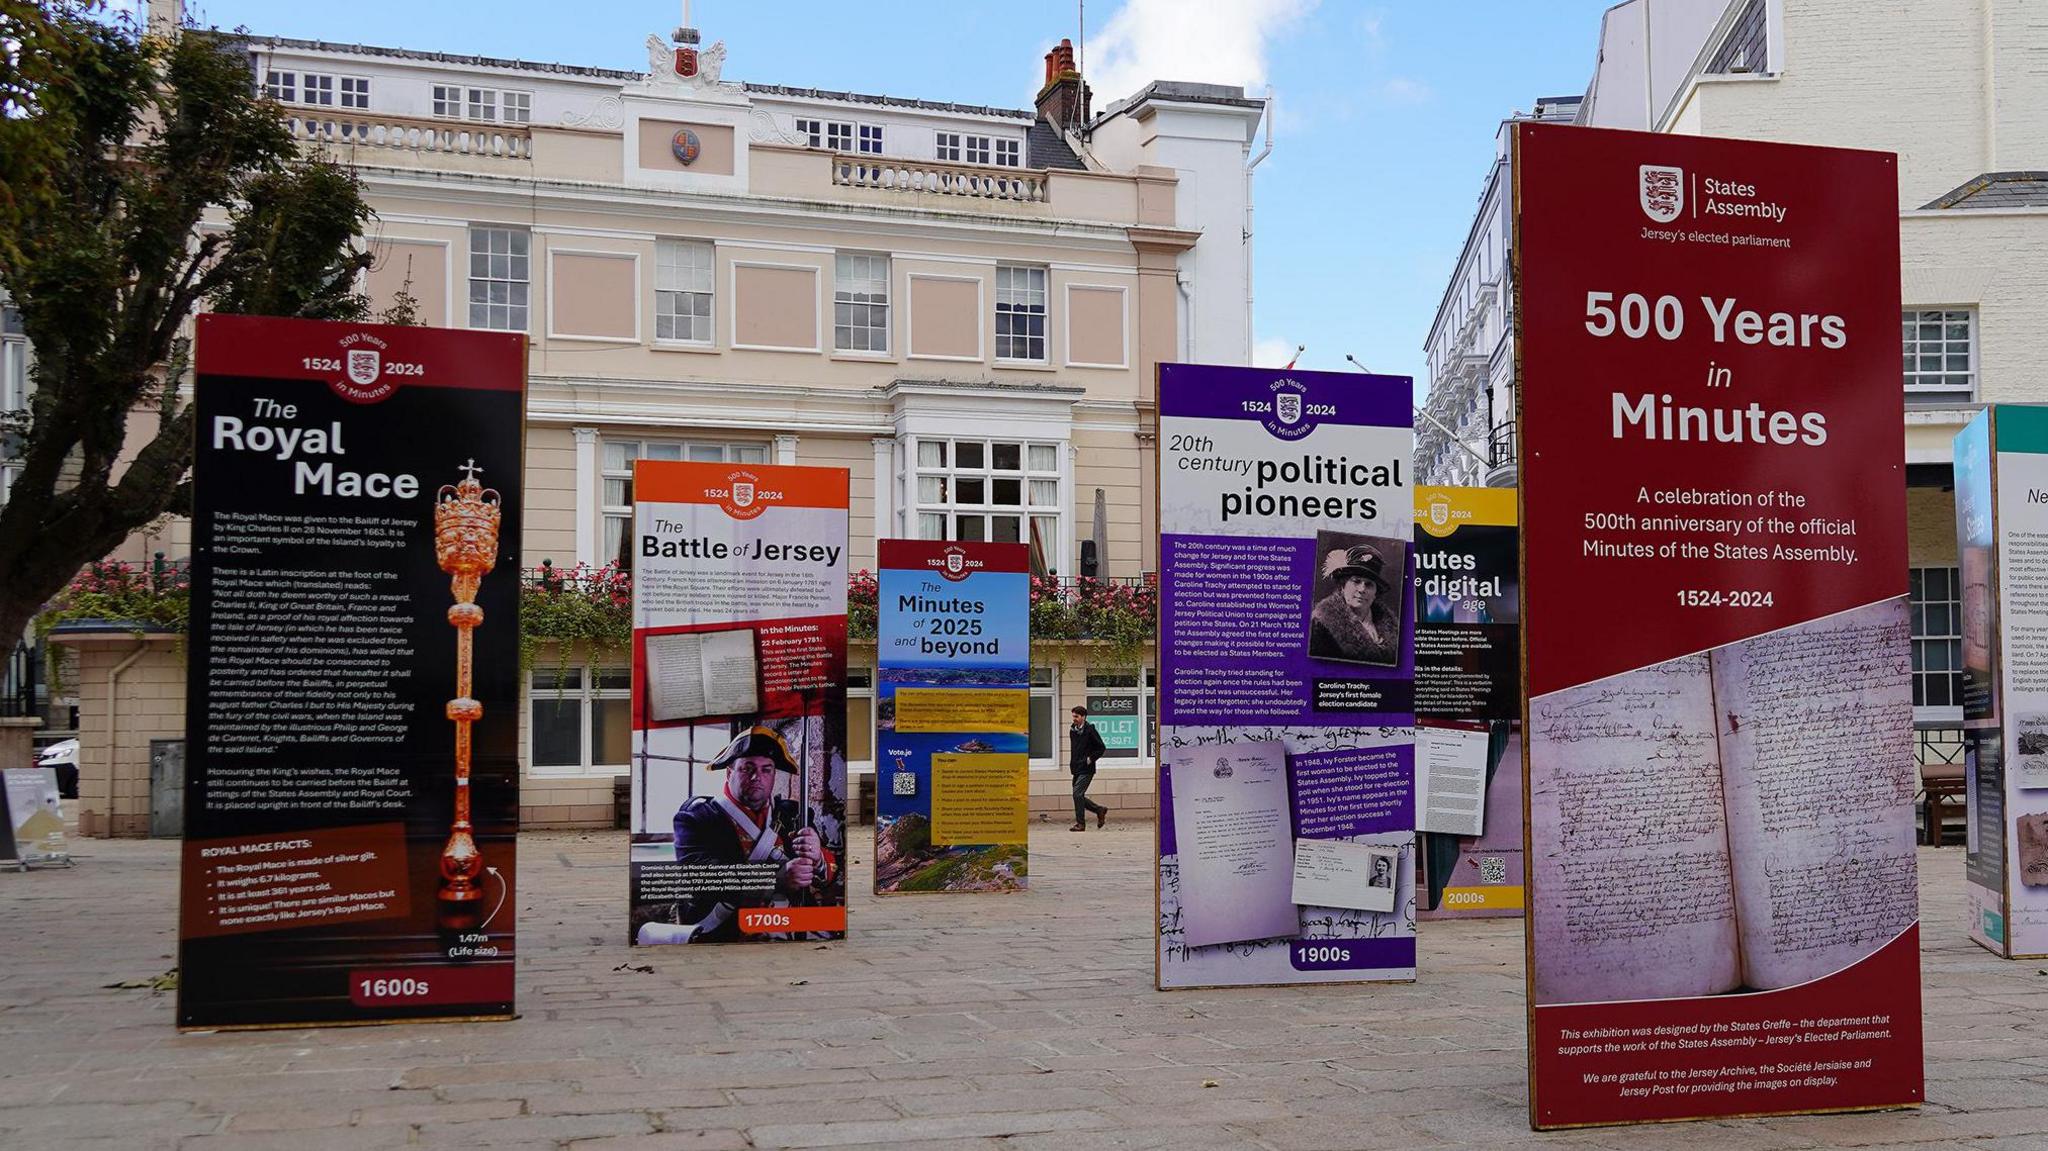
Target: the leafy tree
(114, 147)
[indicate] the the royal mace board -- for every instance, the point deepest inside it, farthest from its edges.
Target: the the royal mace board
(466, 517)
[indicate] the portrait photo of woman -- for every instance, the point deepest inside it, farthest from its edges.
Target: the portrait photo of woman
(1357, 613)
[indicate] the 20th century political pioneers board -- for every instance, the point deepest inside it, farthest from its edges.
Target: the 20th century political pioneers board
(1286, 654)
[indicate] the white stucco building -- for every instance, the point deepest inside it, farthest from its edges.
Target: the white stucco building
(1465, 437)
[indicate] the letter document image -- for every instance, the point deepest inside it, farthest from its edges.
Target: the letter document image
(1737, 819)
(1233, 818)
(691, 675)
(1450, 776)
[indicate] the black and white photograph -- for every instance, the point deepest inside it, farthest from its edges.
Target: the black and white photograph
(2029, 765)
(1357, 594)
(1382, 874)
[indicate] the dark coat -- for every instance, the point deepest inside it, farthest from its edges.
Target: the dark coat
(1084, 747)
(1335, 633)
(705, 835)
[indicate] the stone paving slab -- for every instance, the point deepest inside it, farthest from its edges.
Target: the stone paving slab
(1026, 1023)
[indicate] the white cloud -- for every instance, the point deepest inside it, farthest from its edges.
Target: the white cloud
(1402, 90)
(1216, 41)
(1369, 28)
(1270, 353)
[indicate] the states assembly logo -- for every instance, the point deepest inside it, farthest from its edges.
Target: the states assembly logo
(954, 564)
(364, 380)
(1289, 414)
(1661, 191)
(742, 497)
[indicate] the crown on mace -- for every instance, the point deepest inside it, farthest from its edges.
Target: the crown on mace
(466, 520)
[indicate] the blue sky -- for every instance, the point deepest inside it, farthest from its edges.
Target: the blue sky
(1386, 110)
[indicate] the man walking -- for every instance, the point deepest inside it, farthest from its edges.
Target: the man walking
(1084, 747)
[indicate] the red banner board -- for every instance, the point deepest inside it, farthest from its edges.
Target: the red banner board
(1719, 770)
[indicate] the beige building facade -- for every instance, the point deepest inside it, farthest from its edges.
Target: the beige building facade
(962, 306)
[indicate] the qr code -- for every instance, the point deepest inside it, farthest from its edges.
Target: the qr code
(1493, 869)
(903, 783)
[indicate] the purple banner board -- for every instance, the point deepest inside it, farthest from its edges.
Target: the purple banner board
(1287, 664)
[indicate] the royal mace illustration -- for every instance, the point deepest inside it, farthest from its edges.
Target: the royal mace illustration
(466, 516)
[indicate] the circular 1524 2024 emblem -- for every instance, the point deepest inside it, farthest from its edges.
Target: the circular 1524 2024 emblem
(686, 146)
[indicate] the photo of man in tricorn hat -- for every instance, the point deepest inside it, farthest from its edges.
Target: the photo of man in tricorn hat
(1357, 618)
(745, 823)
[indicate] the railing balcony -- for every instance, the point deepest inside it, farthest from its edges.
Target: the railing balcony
(1500, 455)
(408, 134)
(1500, 445)
(972, 181)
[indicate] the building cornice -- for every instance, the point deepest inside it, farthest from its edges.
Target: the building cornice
(1942, 417)
(758, 407)
(771, 407)
(981, 389)
(526, 198)
(1162, 239)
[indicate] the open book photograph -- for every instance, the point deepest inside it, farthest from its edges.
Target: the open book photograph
(1736, 820)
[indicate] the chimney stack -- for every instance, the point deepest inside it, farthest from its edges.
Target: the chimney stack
(163, 17)
(1064, 99)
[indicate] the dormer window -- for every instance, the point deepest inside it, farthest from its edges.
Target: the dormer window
(841, 135)
(489, 105)
(961, 148)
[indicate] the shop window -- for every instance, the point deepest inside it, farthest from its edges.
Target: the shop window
(1047, 733)
(860, 717)
(582, 720)
(1936, 597)
(1118, 707)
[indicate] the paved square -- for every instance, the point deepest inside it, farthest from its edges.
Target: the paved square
(1023, 1022)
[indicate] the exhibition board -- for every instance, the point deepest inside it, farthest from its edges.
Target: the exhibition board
(739, 813)
(952, 717)
(1723, 913)
(2001, 477)
(1286, 821)
(31, 818)
(1468, 705)
(352, 696)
